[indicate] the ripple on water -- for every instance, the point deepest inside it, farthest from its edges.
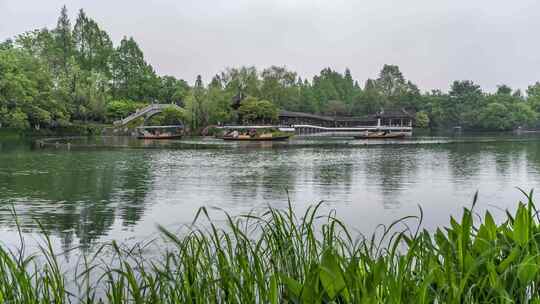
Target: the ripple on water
(84, 196)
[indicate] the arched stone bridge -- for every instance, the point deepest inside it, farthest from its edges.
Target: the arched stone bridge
(146, 112)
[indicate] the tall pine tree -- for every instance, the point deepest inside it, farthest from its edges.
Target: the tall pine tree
(64, 40)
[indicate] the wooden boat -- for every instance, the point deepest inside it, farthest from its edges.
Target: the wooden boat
(380, 136)
(160, 136)
(160, 132)
(256, 138)
(257, 133)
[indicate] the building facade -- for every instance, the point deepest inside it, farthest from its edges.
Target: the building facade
(394, 118)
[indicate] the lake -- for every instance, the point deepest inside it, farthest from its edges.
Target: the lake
(123, 188)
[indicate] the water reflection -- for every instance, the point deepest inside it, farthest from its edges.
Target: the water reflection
(135, 183)
(391, 170)
(83, 196)
(73, 194)
(532, 154)
(464, 160)
(279, 173)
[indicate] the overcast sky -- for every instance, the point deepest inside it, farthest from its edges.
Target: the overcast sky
(433, 41)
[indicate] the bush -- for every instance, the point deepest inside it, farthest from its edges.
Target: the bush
(17, 120)
(421, 120)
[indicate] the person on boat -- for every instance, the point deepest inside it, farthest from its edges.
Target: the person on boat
(252, 133)
(235, 134)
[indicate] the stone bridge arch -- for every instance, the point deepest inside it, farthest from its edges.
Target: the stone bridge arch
(146, 112)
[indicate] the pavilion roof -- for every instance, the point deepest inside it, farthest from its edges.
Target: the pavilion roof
(161, 127)
(396, 113)
(305, 115)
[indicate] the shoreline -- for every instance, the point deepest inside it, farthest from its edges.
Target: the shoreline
(70, 142)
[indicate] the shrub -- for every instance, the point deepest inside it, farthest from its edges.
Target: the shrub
(421, 120)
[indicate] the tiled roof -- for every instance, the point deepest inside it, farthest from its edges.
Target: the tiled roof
(372, 117)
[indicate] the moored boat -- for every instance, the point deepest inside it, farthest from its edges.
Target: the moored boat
(160, 132)
(380, 135)
(259, 133)
(161, 136)
(256, 138)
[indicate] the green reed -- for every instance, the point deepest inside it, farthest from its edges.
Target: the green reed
(282, 257)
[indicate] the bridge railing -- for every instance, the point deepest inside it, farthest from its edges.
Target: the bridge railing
(356, 128)
(141, 112)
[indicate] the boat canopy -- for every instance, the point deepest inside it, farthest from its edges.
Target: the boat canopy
(161, 127)
(248, 127)
(239, 128)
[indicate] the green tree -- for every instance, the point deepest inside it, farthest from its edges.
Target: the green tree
(6, 44)
(464, 102)
(522, 115)
(49, 78)
(533, 96)
(16, 119)
(422, 119)
(504, 90)
(93, 47)
(349, 88)
(219, 107)
(368, 101)
(118, 109)
(41, 44)
(253, 110)
(307, 102)
(336, 108)
(64, 40)
(241, 81)
(391, 82)
(26, 92)
(169, 116)
(172, 90)
(395, 89)
(54, 76)
(279, 86)
(90, 97)
(133, 78)
(326, 86)
(506, 110)
(433, 104)
(495, 117)
(198, 110)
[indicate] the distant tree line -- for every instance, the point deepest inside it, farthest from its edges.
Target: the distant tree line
(75, 74)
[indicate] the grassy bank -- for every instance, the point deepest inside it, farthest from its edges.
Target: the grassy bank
(283, 257)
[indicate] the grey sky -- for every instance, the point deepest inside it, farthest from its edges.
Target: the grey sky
(433, 41)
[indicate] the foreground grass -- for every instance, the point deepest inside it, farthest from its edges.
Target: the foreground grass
(277, 257)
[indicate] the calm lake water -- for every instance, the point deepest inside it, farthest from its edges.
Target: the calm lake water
(87, 196)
